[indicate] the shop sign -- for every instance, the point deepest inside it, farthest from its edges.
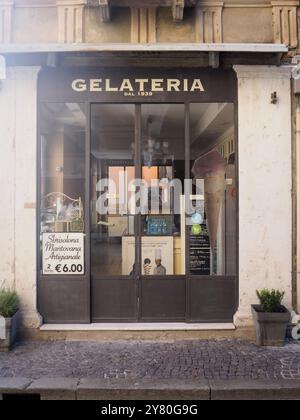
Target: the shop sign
(132, 87)
(137, 85)
(63, 254)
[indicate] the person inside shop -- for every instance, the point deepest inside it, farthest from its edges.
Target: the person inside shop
(147, 267)
(159, 270)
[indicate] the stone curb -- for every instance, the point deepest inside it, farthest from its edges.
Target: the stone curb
(95, 389)
(255, 390)
(101, 389)
(14, 385)
(54, 388)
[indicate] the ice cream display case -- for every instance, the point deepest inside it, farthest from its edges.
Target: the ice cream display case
(158, 225)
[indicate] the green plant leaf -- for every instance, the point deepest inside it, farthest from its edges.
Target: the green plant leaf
(270, 300)
(9, 303)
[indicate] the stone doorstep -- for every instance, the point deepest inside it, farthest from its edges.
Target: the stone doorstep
(101, 389)
(92, 333)
(165, 327)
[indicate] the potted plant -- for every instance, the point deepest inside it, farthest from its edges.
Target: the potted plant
(9, 306)
(271, 318)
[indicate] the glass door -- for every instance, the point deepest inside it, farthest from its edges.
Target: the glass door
(163, 212)
(113, 217)
(137, 227)
(162, 285)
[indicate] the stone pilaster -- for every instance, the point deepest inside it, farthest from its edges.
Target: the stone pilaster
(285, 22)
(209, 25)
(70, 20)
(18, 123)
(6, 18)
(143, 24)
(265, 182)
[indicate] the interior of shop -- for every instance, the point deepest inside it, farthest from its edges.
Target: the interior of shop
(163, 221)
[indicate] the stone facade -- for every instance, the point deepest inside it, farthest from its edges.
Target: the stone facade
(71, 25)
(18, 216)
(265, 203)
(285, 22)
(6, 21)
(75, 21)
(174, 21)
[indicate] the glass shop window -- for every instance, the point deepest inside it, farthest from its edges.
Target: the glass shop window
(63, 133)
(212, 224)
(112, 176)
(163, 172)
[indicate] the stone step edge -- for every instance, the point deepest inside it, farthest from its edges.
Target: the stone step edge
(101, 389)
(165, 327)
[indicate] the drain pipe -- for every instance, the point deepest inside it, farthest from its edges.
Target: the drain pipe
(297, 150)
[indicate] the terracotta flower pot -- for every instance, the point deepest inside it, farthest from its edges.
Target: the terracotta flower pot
(271, 328)
(11, 329)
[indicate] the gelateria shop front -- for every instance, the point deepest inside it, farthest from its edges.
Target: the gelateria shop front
(137, 192)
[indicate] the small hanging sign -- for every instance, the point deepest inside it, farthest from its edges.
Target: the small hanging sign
(63, 254)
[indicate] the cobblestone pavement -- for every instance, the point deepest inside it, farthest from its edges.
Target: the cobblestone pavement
(210, 359)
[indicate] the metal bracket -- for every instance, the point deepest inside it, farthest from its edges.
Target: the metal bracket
(105, 10)
(52, 60)
(178, 10)
(104, 6)
(214, 60)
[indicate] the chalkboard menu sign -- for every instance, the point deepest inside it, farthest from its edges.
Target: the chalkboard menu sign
(200, 253)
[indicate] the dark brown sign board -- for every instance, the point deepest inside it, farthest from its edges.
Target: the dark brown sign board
(137, 85)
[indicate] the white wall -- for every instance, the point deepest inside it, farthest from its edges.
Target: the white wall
(7, 179)
(18, 128)
(265, 176)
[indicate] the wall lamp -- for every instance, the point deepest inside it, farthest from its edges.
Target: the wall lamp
(274, 98)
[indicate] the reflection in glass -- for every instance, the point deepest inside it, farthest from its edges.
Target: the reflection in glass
(163, 171)
(213, 240)
(112, 167)
(63, 131)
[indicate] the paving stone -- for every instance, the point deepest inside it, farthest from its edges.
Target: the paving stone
(54, 388)
(137, 360)
(13, 385)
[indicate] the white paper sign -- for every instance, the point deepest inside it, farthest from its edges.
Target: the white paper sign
(153, 249)
(63, 253)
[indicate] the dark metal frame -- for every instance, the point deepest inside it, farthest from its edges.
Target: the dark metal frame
(87, 313)
(62, 281)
